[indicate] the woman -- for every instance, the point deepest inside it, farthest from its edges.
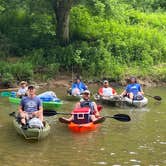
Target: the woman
(133, 90)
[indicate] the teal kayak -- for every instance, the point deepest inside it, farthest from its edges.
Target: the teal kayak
(32, 133)
(47, 105)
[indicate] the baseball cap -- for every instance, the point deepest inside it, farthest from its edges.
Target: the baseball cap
(86, 91)
(31, 87)
(105, 81)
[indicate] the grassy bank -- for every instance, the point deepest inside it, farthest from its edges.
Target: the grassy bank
(108, 38)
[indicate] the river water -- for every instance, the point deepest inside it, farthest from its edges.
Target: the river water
(140, 142)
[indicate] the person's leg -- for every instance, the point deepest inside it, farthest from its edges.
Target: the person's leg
(23, 117)
(65, 120)
(131, 96)
(93, 118)
(75, 91)
(41, 116)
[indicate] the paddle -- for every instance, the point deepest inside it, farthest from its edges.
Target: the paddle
(13, 114)
(120, 117)
(155, 97)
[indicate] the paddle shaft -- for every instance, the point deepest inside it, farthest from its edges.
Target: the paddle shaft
(120, 117)
(154, 97)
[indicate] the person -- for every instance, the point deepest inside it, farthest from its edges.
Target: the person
(30, 107)
(78, 87)
(86, 102)
(22, 91)
(133, 90)
(106, 90)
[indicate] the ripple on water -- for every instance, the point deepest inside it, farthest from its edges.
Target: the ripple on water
(132, 152)
(134, 160)
(163, 143)
(101, 163)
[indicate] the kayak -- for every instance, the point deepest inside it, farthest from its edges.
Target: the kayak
(81, 120)
(119, 101)
(49, 105)
(136, 103)
(73, 98)
(82, 127)
(32, 133)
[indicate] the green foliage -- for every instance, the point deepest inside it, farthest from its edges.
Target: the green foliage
(22, 71)
(109, 38)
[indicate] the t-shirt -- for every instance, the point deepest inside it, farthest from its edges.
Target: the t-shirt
(22, 91)
(107, 91)
(133, 88)
(30, 104)
(81, 86)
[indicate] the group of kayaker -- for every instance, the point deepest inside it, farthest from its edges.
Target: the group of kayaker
(133, 90)
(31, 105)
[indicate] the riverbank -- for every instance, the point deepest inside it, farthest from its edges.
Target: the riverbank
(66, 81)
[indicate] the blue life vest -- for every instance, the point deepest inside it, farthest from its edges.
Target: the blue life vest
(89, 104)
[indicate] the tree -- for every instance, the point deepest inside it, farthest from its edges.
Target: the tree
(62, 12)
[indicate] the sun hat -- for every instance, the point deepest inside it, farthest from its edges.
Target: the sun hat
(23, 82)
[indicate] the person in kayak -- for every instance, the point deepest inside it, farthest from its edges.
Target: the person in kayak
(86, 102)
(133, 90)
(30, 107)
(106, 90)
(22, 91)
(78, 87)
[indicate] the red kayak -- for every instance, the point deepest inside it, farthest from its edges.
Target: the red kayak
(82, 127)
(82, 121)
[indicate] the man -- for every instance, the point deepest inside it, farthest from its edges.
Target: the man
(78, 87)
(133, 90)
(86, 102)
(106, 90)
(30, 106)
(22, 91)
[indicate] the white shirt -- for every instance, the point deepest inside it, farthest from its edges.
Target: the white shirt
(107, 91)
(22, 91)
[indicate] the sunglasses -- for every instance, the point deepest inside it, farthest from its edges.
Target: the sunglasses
(86, 94)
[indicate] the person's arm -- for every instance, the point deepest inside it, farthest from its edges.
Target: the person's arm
(114, 92)
(96, 112)
(140, 89)
(123, 93)
(84, 87)
(39, 112)
(73, 86)
(77, 105)
(20, 108)
(100, 91)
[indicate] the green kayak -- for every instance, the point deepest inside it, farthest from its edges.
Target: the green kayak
(32, 133)
(47, 105)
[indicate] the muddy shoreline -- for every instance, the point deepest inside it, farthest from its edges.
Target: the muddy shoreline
(66, 81)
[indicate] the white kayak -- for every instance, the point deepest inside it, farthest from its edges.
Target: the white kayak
(117, 100)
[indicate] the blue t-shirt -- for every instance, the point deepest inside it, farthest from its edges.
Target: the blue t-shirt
(81, 86)
(133, 88)
(30, 104)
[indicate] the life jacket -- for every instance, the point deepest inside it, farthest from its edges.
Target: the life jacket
(89, 104)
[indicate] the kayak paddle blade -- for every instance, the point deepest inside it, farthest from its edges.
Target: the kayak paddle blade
(120, 117)
(157, 98)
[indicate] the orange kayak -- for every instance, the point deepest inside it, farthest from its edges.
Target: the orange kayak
(82, 127)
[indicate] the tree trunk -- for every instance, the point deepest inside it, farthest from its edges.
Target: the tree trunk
(62, 12)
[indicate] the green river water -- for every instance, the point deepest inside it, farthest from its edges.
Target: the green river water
(140, 142)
